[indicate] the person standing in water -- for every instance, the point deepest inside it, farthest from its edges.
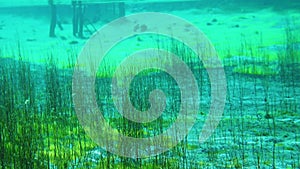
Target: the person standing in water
(53, 18)
(75, 18)
(78, 18)
(54, 21)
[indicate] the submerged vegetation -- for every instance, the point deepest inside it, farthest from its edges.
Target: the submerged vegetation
(260, 127)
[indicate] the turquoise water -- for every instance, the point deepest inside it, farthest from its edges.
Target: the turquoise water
(97, 84)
